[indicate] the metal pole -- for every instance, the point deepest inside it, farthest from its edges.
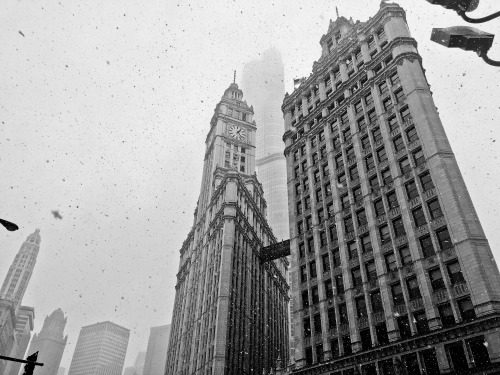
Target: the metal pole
(20, 360)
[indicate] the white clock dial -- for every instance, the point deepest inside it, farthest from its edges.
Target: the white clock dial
(237, 133)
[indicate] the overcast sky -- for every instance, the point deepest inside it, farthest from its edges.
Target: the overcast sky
(104, 110)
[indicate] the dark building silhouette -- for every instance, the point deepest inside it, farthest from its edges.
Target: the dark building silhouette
(390, 267)
(230, 310)
(50, 343)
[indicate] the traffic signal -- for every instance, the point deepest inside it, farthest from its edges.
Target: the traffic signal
(457, 5)
(30, 367)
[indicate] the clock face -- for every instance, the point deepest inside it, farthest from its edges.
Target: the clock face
(237, 133)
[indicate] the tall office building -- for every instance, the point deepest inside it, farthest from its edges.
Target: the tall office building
(50, 343)
(230, 310)
(390, 266)
(24, 326)
(156, 354)
(264, 87)
(19, 274)
(7, 330)
(62, 371)
(100, 350)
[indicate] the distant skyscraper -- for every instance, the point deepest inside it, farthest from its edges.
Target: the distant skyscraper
(230, 311)
(129, 371)
(24, 326)
(156, 355)
(139, 362)
(50, 343)
(7, 327)
(263, 84)
(100, 350)
(16, 282)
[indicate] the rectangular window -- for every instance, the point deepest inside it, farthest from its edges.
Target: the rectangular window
(333, 233)
(356, 277)
(348, 224)
(426, 181)
(319, 353)
(397, 294)
(357, 194)
(326, 171)
(361, 217)
(309, 218)
(374, 184)
(383, 338)
(347, 135)
(335, 349)
(306, 323)
(479, 351)
(426, 245)
(455, 273)
(303, 274)
(365, 142)
(393, 123)
(361, 123)
(322, 233)
(430, 361)
(405, 113)
(376, 134)
(385, 236)
(368, 99)
(312, 269)
(339, 284)
(328, 189)
(418, 157)
(341, 179)
(436, 278)
(305, 298)
(381, 155)
(366, 244)
(376, 301)
(343, 316)
(386, 176)
(418, 217)
(299, 208)
(383, 88)
(315, 295)
(315, 158)
(371, 272)
(329, 288)
(352, 250)
(317, 323)
(411, 134)
(358, 107)
(434, 209)
(444, 240)
(310, 244)
(346, 345)
(319, 195)
(336, 257)
(302, 250)
(338, 161)
(394, 78)
(307, 206)
(331, 318)
(405, 255)
(361, 307)
(344, 201)
(411, 190)
(413, 290)
(404, 327)
(298, 190)
(353, 173)
(369, 162)
(399, 229)
(326, 263)
(392, 200)
(398, 143)
(309, 351)
(446, 315)
(350, 153)
(300, 227)
(366, 343)
(317, 176)
(399, 94)
(387, 103)
(411, 364)
(336, 143)
(404, 165)
(379, 207)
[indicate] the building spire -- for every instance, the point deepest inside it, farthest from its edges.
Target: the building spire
(337, 10)
(234, 78)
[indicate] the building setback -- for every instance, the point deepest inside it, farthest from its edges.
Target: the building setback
(263, 84)
(230, 310)
(156, 354)
(100, 350)
(24, 326)
(390, 267)
(50, 343)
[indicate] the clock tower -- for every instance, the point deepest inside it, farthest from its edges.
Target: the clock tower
(231, 309)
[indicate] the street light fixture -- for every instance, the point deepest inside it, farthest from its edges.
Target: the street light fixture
(466, 38)
(464, 6)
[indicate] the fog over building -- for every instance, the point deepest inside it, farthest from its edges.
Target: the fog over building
(156, 354)
(24, 326)
(391, 270)
(100, 350)
(227, 301)
(263, 84)
(50, 343)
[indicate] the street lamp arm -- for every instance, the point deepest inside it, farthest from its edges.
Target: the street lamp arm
(489, 61)
(478, 20)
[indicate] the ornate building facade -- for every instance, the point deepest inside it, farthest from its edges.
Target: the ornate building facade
(24, 325)
(19, 274)
(390, 267)
(263, 84)
(100, 350)
(230, 310)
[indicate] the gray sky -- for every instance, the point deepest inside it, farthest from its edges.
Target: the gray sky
(104, 109)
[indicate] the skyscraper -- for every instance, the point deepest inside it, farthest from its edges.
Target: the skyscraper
(390, 267)
(230, 310)
(19, 274)
(263, 84)
(100, 350)
(24, 326)
(156, 354)
(50, 343)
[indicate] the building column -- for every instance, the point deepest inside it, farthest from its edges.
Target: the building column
(444, 365)
(493, 340)
(305, 111)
